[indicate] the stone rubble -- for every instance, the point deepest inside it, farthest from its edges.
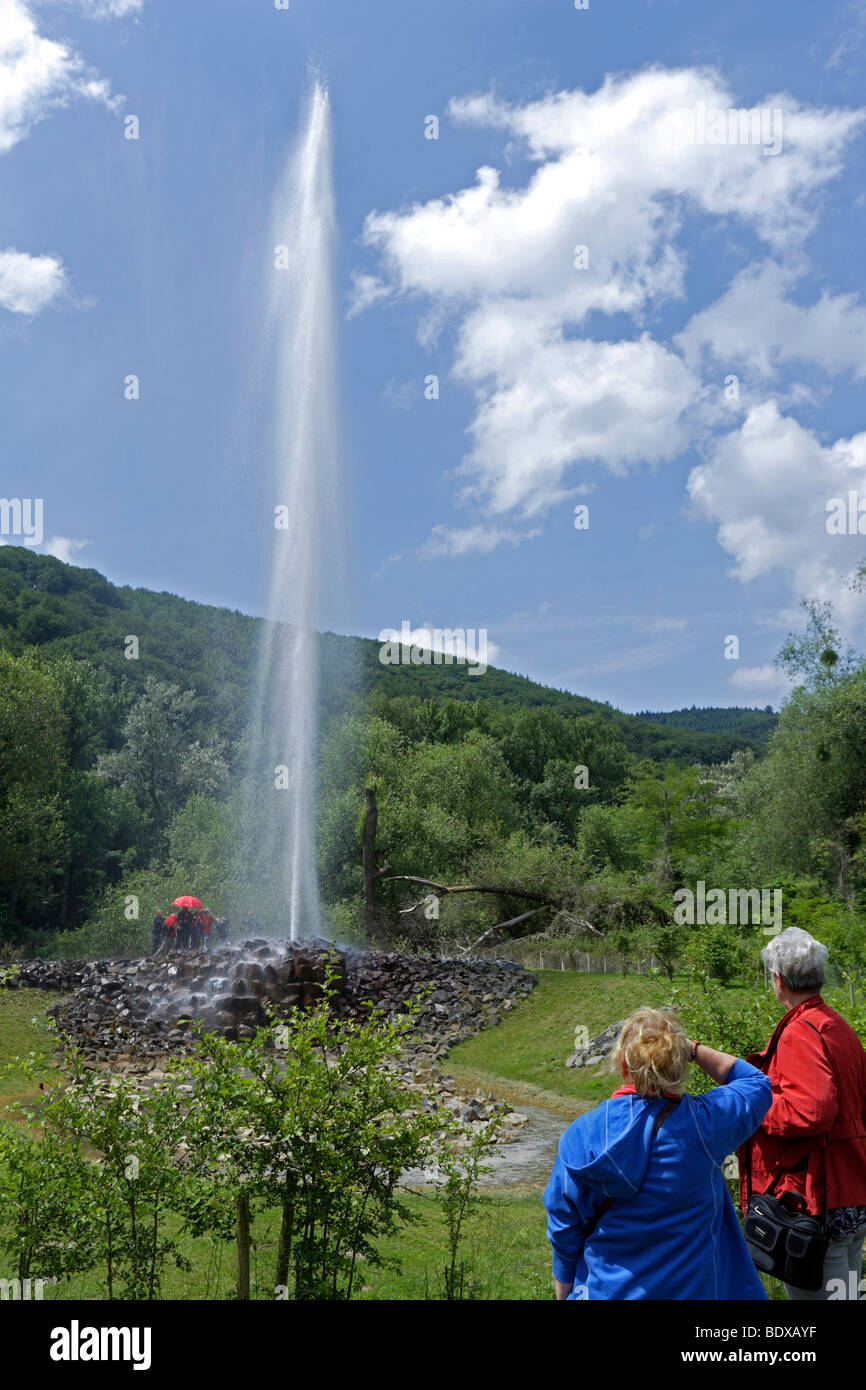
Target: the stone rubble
(131, 1014)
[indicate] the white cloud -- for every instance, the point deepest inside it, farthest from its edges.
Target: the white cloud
(546, 402)
(109, 9)
(29, 283)
(65, 548)
(469, 646)
(389, 562)
(366, 290)
(766, 485)
(401, 395)
(662, 624)
(37, 75)
(765, 682)
(610, 170)
(849, 41)
(433, 639)
(830, 333)
(611, 176)
(481, 539)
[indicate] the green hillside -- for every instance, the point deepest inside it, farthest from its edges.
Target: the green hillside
(70, 611)
(124, 781)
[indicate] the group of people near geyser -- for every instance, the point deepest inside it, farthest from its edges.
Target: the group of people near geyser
(638, 1205)
(188, 929)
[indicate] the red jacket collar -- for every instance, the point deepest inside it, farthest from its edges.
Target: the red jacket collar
(630, 1090)
(814, 1001)
(811, 1003)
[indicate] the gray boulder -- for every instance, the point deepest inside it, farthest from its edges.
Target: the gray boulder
(597, 1049)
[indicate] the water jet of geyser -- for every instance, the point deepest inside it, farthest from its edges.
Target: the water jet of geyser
(302, 357)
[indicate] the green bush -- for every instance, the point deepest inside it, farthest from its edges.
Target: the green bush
(122, 924)
(718, 952)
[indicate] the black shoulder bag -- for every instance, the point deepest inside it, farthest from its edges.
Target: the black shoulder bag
(784, 1240)
(609, 1201)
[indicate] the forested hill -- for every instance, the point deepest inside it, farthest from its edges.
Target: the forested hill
(68, 610)
(756, 724)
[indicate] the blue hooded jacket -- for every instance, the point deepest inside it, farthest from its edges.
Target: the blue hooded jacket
(672, 1231)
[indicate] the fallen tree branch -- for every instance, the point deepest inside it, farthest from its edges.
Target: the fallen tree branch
(477, 888)
(413, 908)
(590, 927)
(513, 922)
(582, 922)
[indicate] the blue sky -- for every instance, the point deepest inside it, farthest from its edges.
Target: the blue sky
(559, 386)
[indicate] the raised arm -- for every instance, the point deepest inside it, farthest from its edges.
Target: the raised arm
(717, 1065)
(734, 1109)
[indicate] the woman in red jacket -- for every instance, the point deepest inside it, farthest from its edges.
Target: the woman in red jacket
(812, 1140)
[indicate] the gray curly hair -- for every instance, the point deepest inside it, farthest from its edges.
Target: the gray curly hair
(798, 958)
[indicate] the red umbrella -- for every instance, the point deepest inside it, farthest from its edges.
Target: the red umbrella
(172, 920)
(187, 901)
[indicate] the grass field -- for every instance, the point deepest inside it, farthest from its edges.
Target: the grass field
(24, 1030)
(523, 1059)
(506, 1254)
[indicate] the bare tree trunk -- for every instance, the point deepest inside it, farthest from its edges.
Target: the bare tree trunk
(666, 869)
(371, 821)
(109, 1262)
(63, 910)
(243, 1240)
(284, 1252)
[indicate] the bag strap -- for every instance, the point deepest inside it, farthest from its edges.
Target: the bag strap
(608, 1202)
(766, 1059)
(748, 1146)
(776, 1039)
(817, 1032)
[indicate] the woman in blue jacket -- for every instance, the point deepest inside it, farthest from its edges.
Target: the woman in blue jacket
(638, 1209)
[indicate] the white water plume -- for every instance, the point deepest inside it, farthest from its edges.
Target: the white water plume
(302, 337)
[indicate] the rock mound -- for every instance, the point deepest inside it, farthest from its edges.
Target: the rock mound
(132, 1009)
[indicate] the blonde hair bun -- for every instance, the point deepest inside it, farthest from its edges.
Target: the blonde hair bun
(655, 1049)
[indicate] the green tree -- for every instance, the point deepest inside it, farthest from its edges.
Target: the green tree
(139, 1174)
(805, 802)
(47, 1191)
(609, 838)
(816, 656)
(33, 735)
(159, 762)
(97, 1191)
(307, 1116)
(457, 1195)
(679, 816)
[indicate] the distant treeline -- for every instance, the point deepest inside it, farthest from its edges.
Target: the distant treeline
(754, 724)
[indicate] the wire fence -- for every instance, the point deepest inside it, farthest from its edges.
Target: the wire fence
(560, 958)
